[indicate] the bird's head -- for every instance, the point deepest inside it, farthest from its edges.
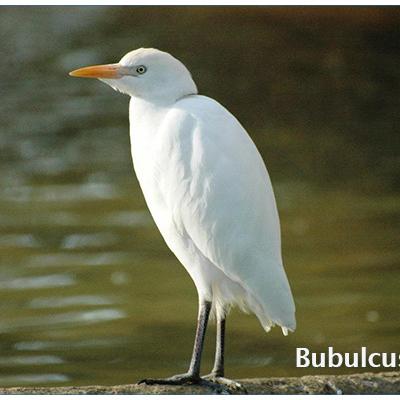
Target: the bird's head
(150, 74)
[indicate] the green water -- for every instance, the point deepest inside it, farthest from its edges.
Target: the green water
(89, 293)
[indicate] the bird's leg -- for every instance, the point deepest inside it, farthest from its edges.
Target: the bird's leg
(193, 374)
(217, 373)
(218, 369)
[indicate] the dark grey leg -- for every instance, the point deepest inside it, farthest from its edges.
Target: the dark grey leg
(217, 373)
(193, 374)
(204, 313)
(218, 369)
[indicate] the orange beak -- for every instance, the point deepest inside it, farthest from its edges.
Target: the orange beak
(111, 71)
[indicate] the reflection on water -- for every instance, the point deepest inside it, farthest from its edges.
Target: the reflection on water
(77, 259)
(33, 360)
(70, 319)
(89, 293)
(51, 302)
(59, 193)
(18, 240)
(54, 344)
(37, 282)
(77, 241)
(32, 379)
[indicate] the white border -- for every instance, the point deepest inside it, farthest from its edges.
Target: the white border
(199, 3)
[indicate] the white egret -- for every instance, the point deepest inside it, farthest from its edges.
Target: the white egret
(209, 193)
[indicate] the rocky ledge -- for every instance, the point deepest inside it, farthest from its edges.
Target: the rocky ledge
(367, 383)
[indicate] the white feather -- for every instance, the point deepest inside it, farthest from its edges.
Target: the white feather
(211, 197)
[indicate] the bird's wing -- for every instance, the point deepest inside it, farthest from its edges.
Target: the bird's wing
(227, 205)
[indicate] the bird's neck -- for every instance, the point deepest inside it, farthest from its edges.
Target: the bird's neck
(146, 113)
(145, 119)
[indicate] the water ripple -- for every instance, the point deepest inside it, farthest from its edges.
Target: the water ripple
(70, 344)
(129, 218)
(58, 302)
(79, 259)
(70, 319)
(31, 360)
(38, 282)
(62, 218)
(32, 379)
(78, 241)
(18, 240)
(56, 193)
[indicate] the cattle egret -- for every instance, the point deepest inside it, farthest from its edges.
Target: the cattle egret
(209, 193)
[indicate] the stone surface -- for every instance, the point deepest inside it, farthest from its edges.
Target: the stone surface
(367, 383)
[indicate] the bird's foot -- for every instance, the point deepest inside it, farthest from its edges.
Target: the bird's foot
(229, 384)
(218, 385)
(181, 379)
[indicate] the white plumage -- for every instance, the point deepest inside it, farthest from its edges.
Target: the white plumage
(206, 186)
(210, 195)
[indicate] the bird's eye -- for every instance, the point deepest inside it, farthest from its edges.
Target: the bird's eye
(141, 69)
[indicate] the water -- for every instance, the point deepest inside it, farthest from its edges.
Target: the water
(89, 293)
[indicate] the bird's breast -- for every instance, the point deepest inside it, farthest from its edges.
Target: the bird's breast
(159, 173)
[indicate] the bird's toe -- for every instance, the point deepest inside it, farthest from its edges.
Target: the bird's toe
(181, 379)
(230, 384)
